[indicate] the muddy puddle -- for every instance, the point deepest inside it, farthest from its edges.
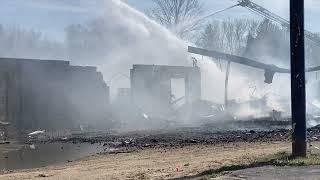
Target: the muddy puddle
(40, 155)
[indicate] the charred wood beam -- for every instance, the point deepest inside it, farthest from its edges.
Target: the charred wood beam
(244, 61)
(237, 59)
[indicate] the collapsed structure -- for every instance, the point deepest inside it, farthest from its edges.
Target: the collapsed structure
(50, 94)
(151, 87)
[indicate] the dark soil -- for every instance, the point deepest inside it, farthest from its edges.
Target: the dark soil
(180, 137)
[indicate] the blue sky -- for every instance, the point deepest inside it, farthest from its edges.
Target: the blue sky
(52, 16)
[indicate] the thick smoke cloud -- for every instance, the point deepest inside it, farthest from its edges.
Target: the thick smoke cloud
(119, 37)
(123, 36)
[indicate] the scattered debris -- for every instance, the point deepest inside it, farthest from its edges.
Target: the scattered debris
(81, 127)
(32, 146)
(145, 116)
(5, 142)
(4, 123)
(117, 152)
(42, 175)
(36, 133)
(315, 138)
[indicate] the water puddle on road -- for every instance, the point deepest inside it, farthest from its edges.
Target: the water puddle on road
(36, 156)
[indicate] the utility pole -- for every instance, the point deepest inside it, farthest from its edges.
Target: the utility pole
(298, 90)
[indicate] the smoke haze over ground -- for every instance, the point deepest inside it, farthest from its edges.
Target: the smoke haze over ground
(132, 38)
(85, 83)
(121, 36)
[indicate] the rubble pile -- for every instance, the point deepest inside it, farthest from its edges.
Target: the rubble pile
(181, 137)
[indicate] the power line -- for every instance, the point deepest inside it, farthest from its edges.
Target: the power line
(210, 15)
(215, 13)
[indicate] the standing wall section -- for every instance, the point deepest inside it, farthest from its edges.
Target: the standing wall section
(52, 95)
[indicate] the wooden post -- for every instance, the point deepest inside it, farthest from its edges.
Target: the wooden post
(298, 94)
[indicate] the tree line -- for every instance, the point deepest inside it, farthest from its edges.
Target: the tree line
(16, 42)
(250, 38)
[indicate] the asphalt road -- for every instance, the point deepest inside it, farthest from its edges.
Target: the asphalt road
(271, 172)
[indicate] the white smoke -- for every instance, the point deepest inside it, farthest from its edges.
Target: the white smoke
(213, 82)
(136, 39)
(133, 38)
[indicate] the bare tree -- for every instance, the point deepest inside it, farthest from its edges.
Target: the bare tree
(177, 15)
(22, 43)
(228, 36)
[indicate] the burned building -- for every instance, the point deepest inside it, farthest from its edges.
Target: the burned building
(151, 87)
(50, 94)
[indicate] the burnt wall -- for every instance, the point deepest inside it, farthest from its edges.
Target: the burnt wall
(151, 86)
(49, 94)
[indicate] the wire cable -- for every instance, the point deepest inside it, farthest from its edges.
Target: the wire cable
(210, 15)
(215, 13)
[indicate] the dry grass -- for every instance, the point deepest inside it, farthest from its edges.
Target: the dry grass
(191, 161)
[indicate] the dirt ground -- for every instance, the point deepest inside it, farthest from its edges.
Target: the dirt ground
(155, 163)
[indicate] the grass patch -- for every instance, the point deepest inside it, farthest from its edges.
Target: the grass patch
(279, 159)
(285, 159)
